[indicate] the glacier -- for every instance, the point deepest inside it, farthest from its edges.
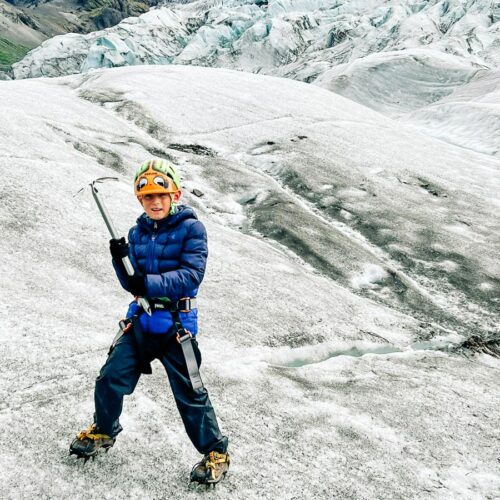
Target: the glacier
(300, 39)
(350, 312)
(345, 272)
(395, 57)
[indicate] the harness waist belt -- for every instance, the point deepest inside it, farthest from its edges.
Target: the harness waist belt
(182, 305)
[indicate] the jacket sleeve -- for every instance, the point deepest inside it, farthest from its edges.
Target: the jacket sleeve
(180, 282)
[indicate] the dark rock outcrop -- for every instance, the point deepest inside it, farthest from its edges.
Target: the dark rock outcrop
(33, 21)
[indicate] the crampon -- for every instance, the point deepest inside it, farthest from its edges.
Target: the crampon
(212, 468)
(88, 443)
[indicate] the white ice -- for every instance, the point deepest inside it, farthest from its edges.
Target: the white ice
(325, 390)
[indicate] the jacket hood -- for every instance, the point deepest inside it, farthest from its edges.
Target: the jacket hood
(183, 212)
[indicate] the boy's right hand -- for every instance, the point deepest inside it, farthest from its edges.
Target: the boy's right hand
(119, 249)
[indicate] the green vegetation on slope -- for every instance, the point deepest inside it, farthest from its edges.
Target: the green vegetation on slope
(11, 52)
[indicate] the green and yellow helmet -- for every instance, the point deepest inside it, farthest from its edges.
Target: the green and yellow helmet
(155, 177)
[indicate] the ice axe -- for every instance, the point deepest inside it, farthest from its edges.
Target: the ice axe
(114, 234)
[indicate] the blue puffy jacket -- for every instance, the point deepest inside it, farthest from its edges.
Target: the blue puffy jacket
(172, 254)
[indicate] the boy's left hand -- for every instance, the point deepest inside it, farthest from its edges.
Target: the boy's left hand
(119, 249)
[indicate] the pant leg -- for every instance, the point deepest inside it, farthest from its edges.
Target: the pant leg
(195, 408)
(117, 377)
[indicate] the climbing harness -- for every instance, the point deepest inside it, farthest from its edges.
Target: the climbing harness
(183, 336)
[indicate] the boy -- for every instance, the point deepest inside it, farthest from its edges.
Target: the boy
(168, 250)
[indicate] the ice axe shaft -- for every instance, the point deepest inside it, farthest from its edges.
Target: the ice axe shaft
(104, 211)
(111, 228)
(114, 234)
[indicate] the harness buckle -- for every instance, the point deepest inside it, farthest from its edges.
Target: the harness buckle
(186, 336)
(125, 324)
(187, 305)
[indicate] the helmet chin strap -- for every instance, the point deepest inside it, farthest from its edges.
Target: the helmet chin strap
(173, 205)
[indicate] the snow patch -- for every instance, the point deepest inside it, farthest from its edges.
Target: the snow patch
(295, 358)
(370, 276)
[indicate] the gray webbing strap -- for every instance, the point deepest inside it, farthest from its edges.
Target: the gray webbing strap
(184, 338)
(124, 326)
(191, 363)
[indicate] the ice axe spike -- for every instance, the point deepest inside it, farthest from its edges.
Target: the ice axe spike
(114, 234)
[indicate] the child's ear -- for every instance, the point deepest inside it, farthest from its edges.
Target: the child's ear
(139, 199)
(177, 196)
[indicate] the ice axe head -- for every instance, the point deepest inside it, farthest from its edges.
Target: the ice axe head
(94, 182)
(102, 207)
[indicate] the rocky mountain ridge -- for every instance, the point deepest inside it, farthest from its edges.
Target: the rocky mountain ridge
(25, 24)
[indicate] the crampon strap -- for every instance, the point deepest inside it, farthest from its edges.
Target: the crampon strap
(213, 459)
(90, 434)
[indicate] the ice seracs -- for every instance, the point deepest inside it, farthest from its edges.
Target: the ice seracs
(300, 39)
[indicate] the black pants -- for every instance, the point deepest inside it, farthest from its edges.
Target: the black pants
(121, 372)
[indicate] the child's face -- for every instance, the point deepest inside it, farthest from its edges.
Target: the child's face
(157, 206)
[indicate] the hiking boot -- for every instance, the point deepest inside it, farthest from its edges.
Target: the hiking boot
(88, 442)
(212, 468)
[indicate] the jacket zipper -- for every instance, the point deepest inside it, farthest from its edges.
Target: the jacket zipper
(151, 249)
